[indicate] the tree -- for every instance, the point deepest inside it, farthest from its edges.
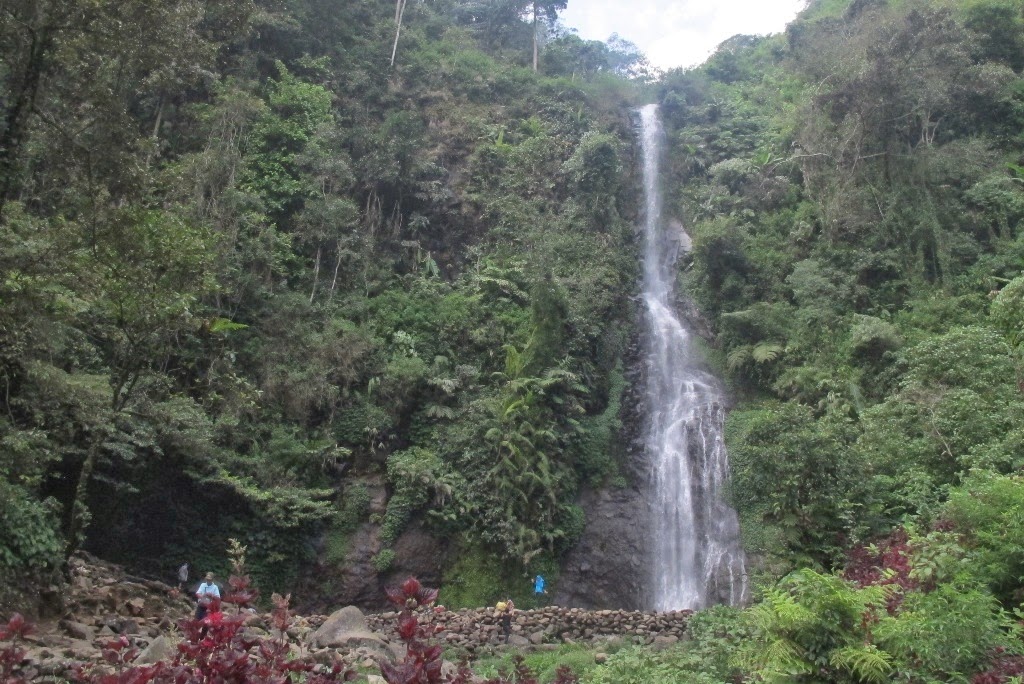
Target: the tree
(797, 474)
(549, 8)
(399, 14)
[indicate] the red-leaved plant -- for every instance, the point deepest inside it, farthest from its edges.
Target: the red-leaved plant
(214, 650)
(887, 562)
(422, 663)
(11, 656)
(1005, 666)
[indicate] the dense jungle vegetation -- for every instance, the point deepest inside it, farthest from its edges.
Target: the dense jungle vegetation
(853, 189)
(247, 264)
(254, 251)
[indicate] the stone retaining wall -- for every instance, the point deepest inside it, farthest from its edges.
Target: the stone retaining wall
(472, 628)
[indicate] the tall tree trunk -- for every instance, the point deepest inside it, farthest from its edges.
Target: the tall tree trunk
(316, 274)
(78, 512)
(22, 100)
(535, 29)
(399, 13)
(337, 265)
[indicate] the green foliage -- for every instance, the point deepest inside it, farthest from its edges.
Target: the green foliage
(871, 338)
(383, 559)
(414, 475)
(241, 259)
(811, 623)
(794, 473)
(580, 659)
(598, 448)
(1007, 311)
(477, 579)
(988, 508)
(639, 665)
(355, 506)
(31, 542)
(945, 634)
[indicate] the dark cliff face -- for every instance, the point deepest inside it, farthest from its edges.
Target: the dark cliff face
(609, 567)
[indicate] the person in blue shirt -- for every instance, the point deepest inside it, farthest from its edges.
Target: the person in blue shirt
(206, 592)
(538, 588)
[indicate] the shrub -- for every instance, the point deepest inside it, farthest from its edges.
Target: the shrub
(412, 473)
(383, 560)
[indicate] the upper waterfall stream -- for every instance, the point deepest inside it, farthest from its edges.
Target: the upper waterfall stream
(697, 559)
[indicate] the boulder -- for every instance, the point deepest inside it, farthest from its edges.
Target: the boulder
(660, 643)
(76, 630)
(605, 568)
(346, 628)
(160, 649)
(343, 621)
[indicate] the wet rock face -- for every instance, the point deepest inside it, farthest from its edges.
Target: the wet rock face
(608, 568)
(355, 580)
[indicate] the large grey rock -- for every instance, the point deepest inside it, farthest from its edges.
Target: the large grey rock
(517, 641)
(346, 628)
(418, 554)
(160, 649)
(660, 643)
(347, 619)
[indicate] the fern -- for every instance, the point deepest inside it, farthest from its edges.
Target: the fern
(738, 357)
(766, 352)
(441, 411)
(223, 325)
(865, 662)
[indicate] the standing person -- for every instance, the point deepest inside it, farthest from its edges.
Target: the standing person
(207, 592)
(505, 609)
(539, 589)
(182, 576)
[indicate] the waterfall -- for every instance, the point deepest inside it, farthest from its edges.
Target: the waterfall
(697, 560)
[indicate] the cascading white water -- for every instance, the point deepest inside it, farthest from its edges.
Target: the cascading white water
(697, 559)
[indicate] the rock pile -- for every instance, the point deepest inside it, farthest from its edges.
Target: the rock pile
(474, 628)
(105, 603)
(102, 603)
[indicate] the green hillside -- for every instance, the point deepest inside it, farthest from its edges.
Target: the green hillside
(278, 272)
(248, 264)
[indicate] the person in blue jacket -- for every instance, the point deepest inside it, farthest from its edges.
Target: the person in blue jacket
(538, 588)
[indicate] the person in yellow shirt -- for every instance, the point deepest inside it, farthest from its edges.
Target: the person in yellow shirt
(504, 610)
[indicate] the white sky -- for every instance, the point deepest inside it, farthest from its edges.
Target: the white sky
(678, 32)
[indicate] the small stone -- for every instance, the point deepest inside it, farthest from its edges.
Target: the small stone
(76, 630)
